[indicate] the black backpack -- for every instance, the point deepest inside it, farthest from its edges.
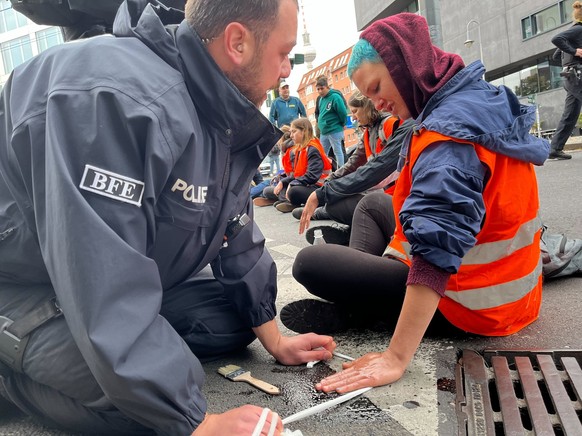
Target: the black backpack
(66, 13)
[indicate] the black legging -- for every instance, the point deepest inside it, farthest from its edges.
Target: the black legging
(357, 277)
(298, 194)
(337, 273)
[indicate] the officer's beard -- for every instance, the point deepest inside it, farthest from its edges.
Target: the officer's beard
(246, 79)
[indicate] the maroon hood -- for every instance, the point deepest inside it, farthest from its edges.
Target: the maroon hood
(418, 68)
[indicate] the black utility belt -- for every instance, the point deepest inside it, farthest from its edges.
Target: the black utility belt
(14, 333)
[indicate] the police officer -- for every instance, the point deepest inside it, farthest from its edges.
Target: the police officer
(125, 163)
(570, 44)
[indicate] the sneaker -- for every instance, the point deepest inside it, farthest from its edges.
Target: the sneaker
(335, 234)
(262, 202)
(297, 213)
(285, 207)
(320, 214)
(559, 154)
(279, 202)
(305, 316)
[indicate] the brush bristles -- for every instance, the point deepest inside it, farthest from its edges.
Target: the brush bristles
(228, 369)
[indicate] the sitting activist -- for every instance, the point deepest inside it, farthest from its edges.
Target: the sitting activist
(464, 243)
(310, 167)
(371, 167)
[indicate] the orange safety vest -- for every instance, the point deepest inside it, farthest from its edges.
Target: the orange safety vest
(498, 288)
(287, 159)
(301, 161)
(388, 125)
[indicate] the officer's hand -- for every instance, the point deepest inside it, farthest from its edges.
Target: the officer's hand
(295, 350)
(239, 422)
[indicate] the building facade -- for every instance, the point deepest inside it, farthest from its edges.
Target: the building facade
(336, 71)
(21, 39)
(512, 37)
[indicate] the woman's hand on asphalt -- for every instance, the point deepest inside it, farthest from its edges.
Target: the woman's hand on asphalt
(372, 369)
(310, 206)
(239, 422)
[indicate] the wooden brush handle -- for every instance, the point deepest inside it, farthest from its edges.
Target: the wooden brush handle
(260, 384)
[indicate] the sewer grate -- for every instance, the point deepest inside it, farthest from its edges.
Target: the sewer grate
(517, 392)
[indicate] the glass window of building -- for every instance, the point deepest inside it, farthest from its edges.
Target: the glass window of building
(309, 90)
(9, 18)
(15, 52)
(48, 37)
(547, 19)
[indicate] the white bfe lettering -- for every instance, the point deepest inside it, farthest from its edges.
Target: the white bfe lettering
(111, 185)
(195, 194)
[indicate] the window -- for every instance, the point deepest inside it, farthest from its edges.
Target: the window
(543, 75)
(15, 52)
(309, 90)
(48, 37)
(9, 18)
(546, 19)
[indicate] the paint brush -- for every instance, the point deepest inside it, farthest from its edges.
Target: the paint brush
(236, 373)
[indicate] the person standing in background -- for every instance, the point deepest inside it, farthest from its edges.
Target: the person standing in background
(570, 43)
(286, 108)
(331, 119)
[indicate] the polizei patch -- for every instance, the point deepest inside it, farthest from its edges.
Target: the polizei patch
(112, 185)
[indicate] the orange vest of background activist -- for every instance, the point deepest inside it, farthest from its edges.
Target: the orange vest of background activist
(287, 159)
(301, 161)
(498, 288)
(388, 125)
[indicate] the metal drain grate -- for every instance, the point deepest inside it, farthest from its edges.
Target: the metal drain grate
(515, 392)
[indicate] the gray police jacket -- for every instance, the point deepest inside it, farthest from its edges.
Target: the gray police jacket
(121, 161)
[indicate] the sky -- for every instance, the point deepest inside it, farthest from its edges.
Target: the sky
(332, 28)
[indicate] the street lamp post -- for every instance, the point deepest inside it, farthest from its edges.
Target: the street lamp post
(469, 42)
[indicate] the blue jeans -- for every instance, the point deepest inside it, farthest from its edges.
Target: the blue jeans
(334, 140)
(257, 191)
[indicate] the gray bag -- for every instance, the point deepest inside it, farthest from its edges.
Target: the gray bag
(561, 256)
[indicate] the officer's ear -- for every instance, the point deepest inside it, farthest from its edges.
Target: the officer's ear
(238, 43)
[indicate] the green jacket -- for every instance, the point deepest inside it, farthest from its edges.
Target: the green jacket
(332, 113)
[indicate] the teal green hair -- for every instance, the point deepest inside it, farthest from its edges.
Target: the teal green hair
(362, 52)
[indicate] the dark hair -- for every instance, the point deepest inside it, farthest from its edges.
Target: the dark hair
(209, 18)
(321, 81)
(358, 100)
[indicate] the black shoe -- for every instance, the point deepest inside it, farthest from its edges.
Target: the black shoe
(297, 213)
(316, 316)
(335, 234)
(559, 154)
(320, 214)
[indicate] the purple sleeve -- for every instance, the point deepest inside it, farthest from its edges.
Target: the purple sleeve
(425, 273)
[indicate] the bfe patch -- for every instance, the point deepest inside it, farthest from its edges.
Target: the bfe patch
(112, 185)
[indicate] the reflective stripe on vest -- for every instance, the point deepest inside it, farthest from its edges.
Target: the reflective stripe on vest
(497, 295)
(486, 252)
